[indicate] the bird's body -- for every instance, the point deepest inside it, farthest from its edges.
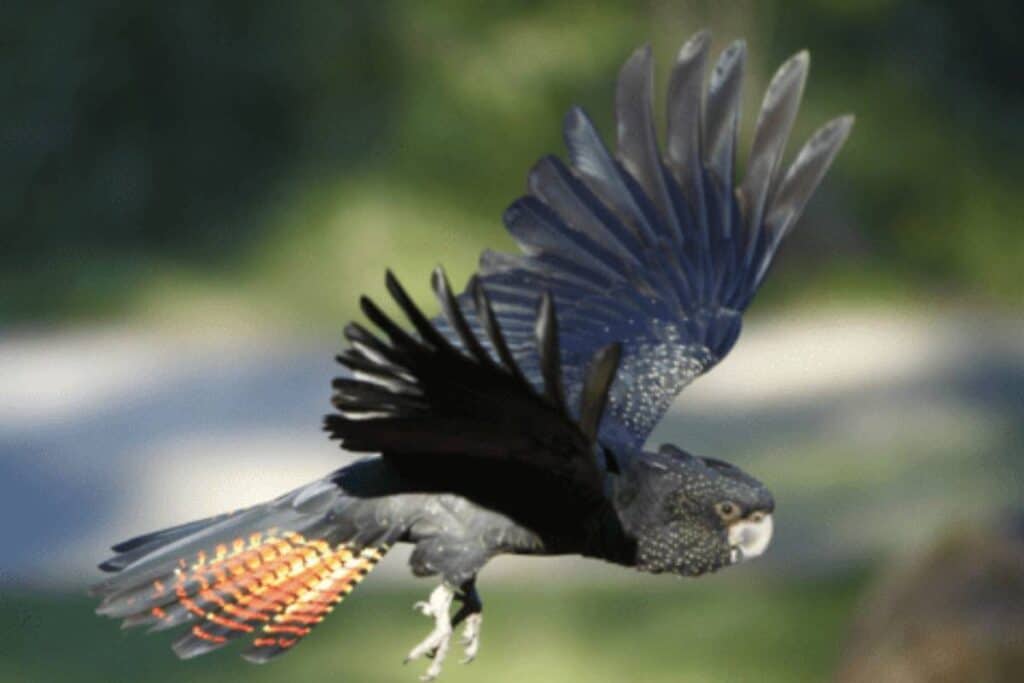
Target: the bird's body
(515, 422)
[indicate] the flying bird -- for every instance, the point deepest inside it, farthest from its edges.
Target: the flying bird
(515, 421)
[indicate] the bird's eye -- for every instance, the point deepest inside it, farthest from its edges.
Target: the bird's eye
(727, 510)
(757, 516)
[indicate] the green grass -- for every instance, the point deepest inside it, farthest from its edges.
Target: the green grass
(658, 629)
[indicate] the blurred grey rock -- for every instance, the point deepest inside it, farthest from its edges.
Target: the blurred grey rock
(954, 614)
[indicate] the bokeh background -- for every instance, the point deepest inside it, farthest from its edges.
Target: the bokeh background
(195, 194)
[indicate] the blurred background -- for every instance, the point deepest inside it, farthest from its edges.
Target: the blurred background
(196, 193)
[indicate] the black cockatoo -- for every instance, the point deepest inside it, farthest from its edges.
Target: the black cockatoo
(515, 422)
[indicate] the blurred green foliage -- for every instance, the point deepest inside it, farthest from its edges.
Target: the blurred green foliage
(268, 158)
(658, 630)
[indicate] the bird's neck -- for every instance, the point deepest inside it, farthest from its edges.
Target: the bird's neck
(633, 493)
(605, 538)
(615, 530)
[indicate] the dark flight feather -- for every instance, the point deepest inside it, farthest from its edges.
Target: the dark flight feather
(594, 396)
(685, 91)
(453, 314)
(722, 107)
(457, 407)
(428, 333)
(374, 350)
(493, 331)
(805, 173)
(401, 341)
(547, 344)
(637, 140)
(778, 111)
(661, 255)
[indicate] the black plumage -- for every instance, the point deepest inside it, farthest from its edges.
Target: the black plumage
(515, 421)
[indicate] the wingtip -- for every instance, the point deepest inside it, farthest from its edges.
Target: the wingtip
(481, 302)
(613, 350)
(835, 131)
(610, 354)
(733, 52)
(576, 129)
(801, 59)
(573, 118)
(637, 66)
(546, 309)
(792, 70)
(438, 278)
(109, 566)
(395, 286)
(697, 44)
(604, 365)
(642, 53)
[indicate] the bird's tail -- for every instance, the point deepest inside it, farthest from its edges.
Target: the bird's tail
(272, 572)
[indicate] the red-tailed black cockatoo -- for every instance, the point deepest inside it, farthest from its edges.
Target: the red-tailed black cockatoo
(515, 422)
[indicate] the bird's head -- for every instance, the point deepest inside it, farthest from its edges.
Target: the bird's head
(693, 515)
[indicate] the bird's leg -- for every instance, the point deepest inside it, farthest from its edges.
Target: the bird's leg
(436, 644)
(472, 613)
(437, 606)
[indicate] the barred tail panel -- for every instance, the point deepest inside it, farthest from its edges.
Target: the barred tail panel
(273, 586)
(314, 598)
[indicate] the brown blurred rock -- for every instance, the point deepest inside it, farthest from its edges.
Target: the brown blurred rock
(954, 614)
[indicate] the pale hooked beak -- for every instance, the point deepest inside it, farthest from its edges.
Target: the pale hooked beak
(748, 538)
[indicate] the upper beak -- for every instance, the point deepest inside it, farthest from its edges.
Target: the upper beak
(748, 539)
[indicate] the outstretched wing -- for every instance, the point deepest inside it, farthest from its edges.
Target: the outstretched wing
(465, 421)
(662, 253)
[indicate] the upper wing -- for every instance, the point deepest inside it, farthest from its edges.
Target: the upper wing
(468, 422)
(660, 253)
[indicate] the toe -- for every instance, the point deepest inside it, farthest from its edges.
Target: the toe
(471, 637)
(434, 670)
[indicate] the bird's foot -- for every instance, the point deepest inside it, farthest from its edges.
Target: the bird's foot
(435, 645)
(472, 613)
(471, 636)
